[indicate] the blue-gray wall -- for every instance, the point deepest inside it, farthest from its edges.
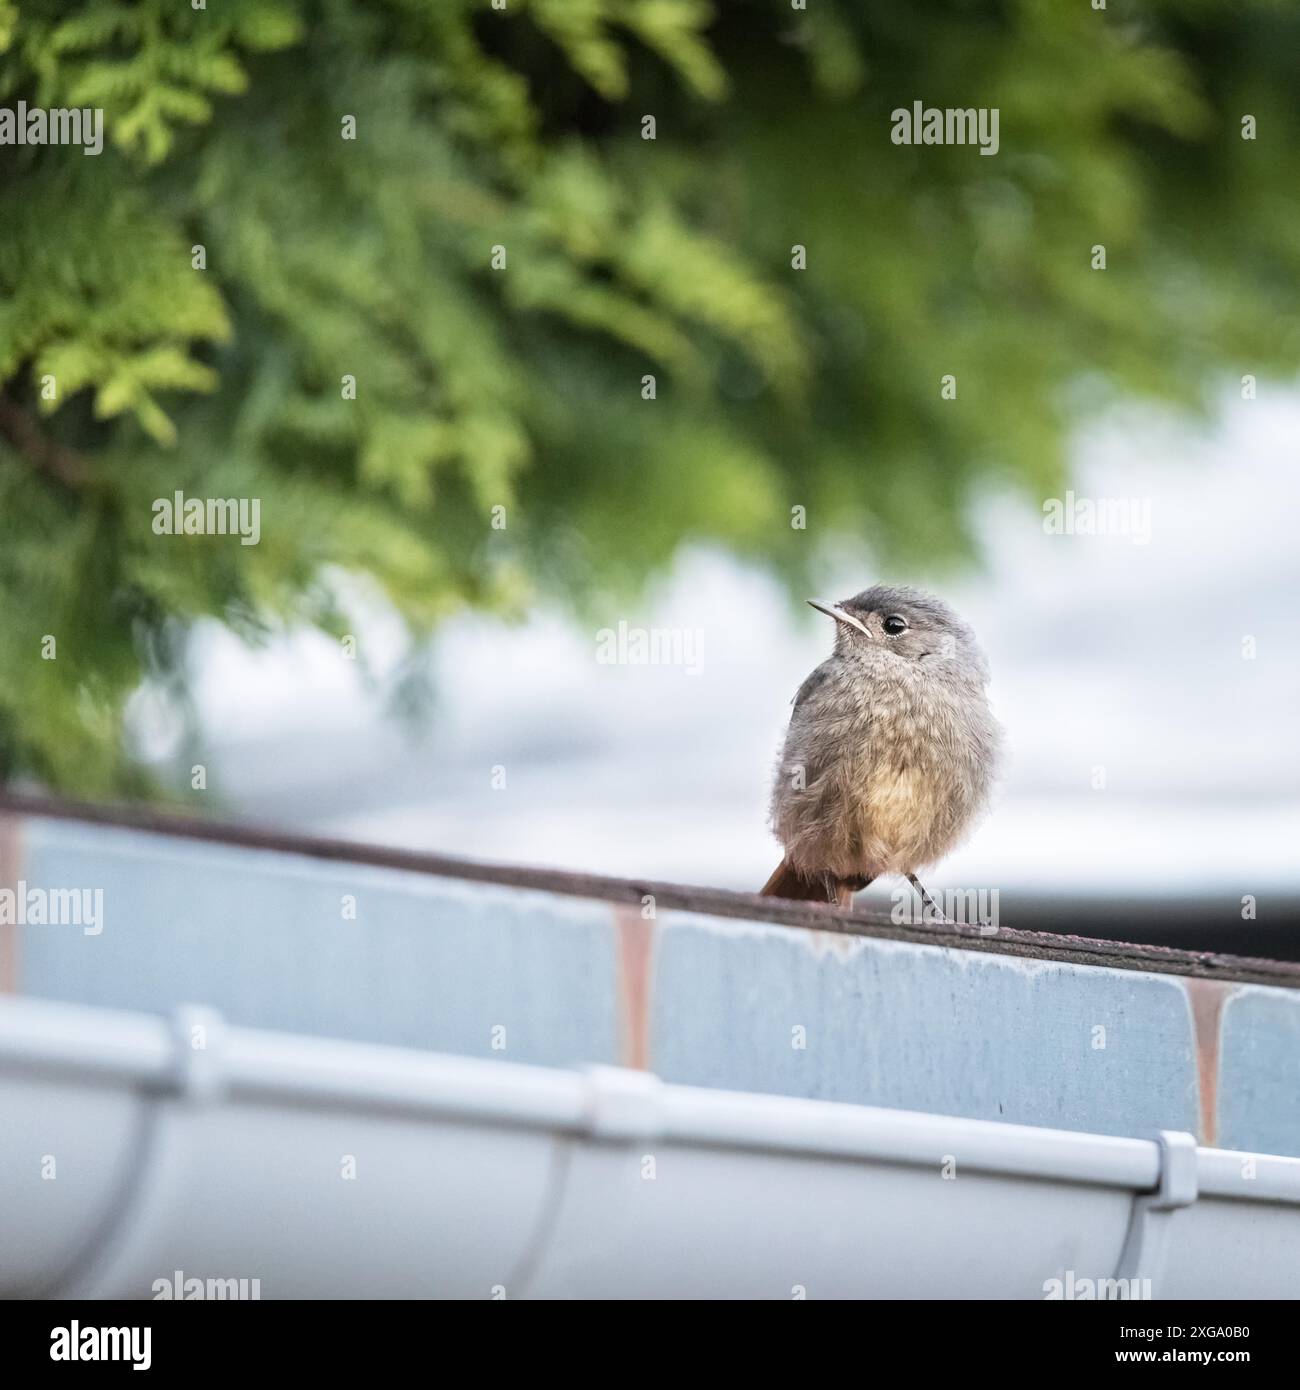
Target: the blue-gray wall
(530, 976)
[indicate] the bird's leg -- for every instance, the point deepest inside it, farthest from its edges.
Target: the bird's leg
(843, 889)
(927, 901)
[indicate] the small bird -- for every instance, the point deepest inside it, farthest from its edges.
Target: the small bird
(892, 749)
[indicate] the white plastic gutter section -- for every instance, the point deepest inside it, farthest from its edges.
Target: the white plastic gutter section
(129, 1155)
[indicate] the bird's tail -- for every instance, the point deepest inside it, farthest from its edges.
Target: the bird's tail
(788, 882)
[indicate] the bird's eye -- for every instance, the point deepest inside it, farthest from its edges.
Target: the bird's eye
(894, 625)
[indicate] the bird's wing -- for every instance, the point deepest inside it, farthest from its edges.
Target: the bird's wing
(810, 686)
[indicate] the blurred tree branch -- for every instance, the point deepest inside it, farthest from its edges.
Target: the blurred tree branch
(34, 448)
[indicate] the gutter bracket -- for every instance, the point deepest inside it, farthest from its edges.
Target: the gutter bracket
(1147, 1241)
(198, 1035)
(622, 1104)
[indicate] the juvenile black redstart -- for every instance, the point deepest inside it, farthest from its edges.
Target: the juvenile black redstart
(891, 752)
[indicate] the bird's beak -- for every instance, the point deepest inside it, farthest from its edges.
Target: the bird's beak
(833, 610)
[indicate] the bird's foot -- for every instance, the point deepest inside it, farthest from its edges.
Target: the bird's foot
(930, 911)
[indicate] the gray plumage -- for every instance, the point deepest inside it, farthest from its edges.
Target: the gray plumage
(892, 750)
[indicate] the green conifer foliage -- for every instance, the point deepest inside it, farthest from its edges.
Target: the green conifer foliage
(454, 205)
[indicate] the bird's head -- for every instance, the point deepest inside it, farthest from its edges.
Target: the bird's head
(904, 623)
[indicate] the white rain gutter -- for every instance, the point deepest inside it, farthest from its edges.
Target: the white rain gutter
(339, 1169)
